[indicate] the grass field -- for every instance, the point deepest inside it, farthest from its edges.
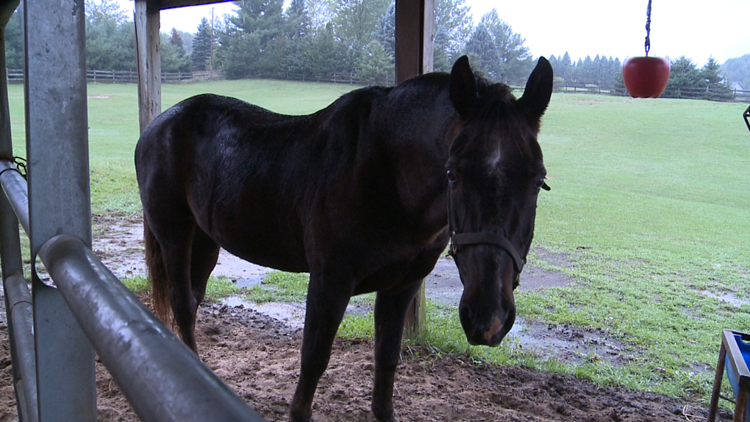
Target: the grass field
(648, 203)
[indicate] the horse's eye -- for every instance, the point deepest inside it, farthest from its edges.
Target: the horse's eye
(452, 176)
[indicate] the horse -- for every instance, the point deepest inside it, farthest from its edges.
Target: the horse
(365, 195)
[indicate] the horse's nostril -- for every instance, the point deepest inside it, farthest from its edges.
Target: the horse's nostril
(496, 326)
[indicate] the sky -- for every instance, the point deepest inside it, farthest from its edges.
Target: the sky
(616, 28)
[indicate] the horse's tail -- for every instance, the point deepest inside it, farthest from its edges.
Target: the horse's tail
(157, 274)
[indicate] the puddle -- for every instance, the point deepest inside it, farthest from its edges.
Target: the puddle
(569, 344)
(727, 298)
(290, 313)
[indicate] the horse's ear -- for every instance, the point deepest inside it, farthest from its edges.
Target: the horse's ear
(538, 90)
(463, 88)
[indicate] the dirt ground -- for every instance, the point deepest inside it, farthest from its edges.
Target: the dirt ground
(257, 355)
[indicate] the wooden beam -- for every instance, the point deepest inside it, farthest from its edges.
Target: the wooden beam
(171, 4)
(415, 35)
(147, 41)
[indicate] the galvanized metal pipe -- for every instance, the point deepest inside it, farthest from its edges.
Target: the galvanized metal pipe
(162, 379)
(22, 320)
(16, 189)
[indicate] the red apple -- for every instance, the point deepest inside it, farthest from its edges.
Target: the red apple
(645, 77)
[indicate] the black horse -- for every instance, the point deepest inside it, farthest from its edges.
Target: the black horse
(364, 195)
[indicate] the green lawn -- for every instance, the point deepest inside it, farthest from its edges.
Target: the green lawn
(648, 203)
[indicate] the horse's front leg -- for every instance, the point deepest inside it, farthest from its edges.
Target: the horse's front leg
(327, 298)
(390, 313)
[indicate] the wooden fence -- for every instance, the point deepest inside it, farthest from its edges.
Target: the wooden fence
(735, 95)
(124, 76)
(130, 76)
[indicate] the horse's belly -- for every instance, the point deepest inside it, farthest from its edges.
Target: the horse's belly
(401, 272)
(262, 243)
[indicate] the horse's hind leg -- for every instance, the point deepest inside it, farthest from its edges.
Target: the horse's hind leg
(390, 314)
(189, 256)
(204, 255)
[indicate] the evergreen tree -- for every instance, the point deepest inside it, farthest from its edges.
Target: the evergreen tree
(376, 65)
(14, 42)
(385, 32)
(324, 55)
(482, 52)
(566, 67)
(173, 57)
(501, 52)
(202, 47)
(453, 24)
(685, 80)
(716, 88)
(248, 35)
(110, 39)
(298, 20)
(441, 59)
(515, 61)
(738, 70)
(321, 12)
(355, 21)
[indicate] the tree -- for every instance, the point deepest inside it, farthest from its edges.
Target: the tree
(441, 58)
(355, 21)
(173, 57)
(376, 65)
(320, 12)
(738, 70)
(515, 59)
(453, 26)
(325, 54)
(685, 80)
(298, 20)
(385, 32)
(501, 52)
(262, 18)
(110, 39)
(562, 66)
(482, 52)
(716, 88)
(14, 42)
(248, 35)
(202, 48)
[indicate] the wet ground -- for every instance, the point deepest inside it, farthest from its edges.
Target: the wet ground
(119, 244)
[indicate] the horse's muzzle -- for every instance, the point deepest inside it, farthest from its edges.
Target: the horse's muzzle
(490, 331)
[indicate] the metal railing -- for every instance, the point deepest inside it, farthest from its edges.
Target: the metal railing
(161, 378)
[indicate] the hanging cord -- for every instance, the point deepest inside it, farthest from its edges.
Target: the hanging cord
(648, 28)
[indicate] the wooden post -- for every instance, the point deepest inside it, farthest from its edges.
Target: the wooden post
(147, 15)
(415, 35)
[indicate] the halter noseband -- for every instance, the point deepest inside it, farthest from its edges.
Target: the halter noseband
(480, 238)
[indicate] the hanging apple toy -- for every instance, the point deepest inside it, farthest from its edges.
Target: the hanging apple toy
(646, 77)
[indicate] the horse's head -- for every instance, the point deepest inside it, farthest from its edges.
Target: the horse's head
(495, 172)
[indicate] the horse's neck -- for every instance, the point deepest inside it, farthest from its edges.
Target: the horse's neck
(420, 154)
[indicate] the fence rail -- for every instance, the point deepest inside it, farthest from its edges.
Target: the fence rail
(735, 95)
(131, 76)
(171, 383)
(16, 76)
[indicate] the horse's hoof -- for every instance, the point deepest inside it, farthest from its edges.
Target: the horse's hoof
(299, 416)
(384, 416)
(389, 418)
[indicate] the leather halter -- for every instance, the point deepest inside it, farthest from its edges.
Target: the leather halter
(480, 238)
